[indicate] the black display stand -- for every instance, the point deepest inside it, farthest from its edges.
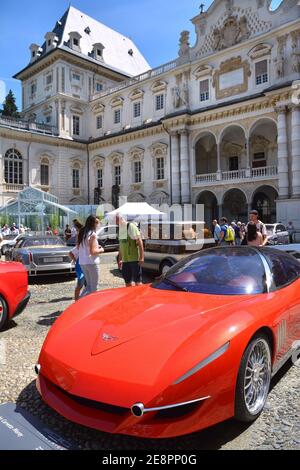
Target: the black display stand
(19, 430)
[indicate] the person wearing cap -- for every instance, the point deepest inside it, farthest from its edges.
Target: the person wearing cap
(259, 225)
(131, 252)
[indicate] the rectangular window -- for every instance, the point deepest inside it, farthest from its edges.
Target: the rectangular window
(204, 90)
(49, 79)
(261, 72)
(100, 178)
(117, 175)
(99, 87)
(75, 42)
(136, 110)
(159, 100)
(45, 175)
(259, 160)
(99, 121)
(76, 77)
(76, 125)
(33, 88)
(75, 173)
(160, 168)
(137, 172)
(117, 116)
(233, 163)
(48, 119)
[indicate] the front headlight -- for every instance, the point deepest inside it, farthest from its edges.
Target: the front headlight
(215, 355)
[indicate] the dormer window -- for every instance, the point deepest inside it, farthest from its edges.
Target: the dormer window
(75, 41)
(97, 51)
(35, 51)
(51, 40)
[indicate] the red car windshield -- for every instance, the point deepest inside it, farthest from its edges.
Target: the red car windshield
(223, 271)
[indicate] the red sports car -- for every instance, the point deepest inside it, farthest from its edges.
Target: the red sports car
(14, 294)
(196, 347)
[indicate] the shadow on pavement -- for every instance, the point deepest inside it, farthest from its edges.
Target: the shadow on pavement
(9, 325)
(48, 320)
(53, 279)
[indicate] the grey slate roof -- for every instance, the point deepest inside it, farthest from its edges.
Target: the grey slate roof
(116, 46)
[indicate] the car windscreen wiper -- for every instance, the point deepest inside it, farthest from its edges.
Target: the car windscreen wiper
(166, 280)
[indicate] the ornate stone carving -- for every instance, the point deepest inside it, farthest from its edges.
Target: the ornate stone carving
(233, 32)
(181, 92)
(230, 65)
(296, 51)
(280, 60)
(184, 43)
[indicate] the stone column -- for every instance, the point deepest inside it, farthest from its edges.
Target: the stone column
(295, 150)
(175, 164)
(219, 171)
(185, 167)
(283, 169)
(248, 158)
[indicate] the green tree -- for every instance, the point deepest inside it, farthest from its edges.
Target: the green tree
(9, 106)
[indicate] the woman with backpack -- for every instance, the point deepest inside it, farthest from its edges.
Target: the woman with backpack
(227, 235)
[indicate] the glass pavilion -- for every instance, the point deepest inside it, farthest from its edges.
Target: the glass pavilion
(36, 209)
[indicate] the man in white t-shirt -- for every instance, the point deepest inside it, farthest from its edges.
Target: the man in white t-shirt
(260, 226)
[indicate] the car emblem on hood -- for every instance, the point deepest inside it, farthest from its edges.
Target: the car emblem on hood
(107, 337)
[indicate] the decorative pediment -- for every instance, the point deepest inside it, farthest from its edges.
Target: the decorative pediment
(98, 162)
(117, 101)
(116, 158)
(260, 50)
(203, 71)
(76, 163)
(136, 154)
(159, 85)
(136, 94)
(47, 157)
(159, 149)
(98, 108)
(76, 109)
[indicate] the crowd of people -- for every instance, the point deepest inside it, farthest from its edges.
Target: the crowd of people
(254, 233)
(86, 253)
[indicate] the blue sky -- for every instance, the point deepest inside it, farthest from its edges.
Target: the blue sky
(154, 26)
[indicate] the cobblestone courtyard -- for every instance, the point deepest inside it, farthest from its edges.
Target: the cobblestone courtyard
(277, 428)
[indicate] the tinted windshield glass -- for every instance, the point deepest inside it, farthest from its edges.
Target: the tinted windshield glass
(32, 242)
(221, 271)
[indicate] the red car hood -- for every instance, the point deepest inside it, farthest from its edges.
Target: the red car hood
(131, 335)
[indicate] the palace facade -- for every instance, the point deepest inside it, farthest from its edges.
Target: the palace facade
(219, 125)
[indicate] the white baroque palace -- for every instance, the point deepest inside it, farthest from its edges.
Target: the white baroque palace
(219, 125)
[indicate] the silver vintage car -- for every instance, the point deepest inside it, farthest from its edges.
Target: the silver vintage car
(42, 255)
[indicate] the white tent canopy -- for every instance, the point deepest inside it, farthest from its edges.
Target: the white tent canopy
(136, 210)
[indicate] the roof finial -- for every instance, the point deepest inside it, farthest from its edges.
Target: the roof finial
(202, 8)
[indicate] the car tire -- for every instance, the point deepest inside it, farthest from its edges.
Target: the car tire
(3, 312)
(165, 267)
(254, 377)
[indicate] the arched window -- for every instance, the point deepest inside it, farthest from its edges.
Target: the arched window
(45, 172)
(13, 167)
